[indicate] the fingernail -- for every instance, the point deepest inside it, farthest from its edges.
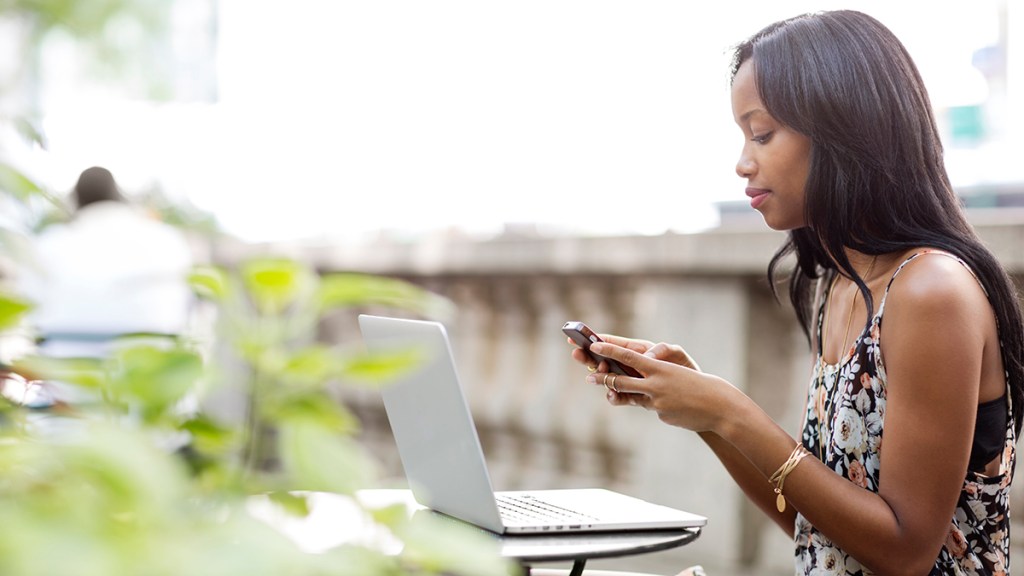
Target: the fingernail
(596, 348)
(591, 379)
(611, 396)
(632, 402)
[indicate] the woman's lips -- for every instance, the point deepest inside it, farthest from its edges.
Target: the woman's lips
(757, 196)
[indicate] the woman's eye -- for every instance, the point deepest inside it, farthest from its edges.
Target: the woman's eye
(762, 138)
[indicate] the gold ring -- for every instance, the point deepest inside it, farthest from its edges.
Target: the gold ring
(591, 369)
(611, 386)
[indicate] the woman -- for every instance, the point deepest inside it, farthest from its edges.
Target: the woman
(842, 151)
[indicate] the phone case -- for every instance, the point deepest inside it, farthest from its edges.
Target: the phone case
(583, 336)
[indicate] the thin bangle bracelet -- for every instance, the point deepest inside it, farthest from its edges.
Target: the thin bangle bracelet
(779, 477)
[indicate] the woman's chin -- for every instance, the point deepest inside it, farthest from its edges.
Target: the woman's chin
(781, 224)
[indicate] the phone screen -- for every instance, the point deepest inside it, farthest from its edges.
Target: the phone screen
(583, 336)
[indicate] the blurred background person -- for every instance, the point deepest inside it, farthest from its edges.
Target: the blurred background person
(112, 270)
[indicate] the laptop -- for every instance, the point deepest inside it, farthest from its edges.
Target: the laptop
(444, 463)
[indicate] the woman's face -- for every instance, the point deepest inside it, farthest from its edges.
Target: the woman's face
(775, 159)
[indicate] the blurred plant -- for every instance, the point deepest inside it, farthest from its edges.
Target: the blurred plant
(146, 478)
(179, 212)
(117, 39)
(107, 499)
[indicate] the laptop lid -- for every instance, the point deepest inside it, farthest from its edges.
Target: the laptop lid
(444, 462)
(432, 425)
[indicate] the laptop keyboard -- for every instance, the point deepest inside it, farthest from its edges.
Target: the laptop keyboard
(521, 509)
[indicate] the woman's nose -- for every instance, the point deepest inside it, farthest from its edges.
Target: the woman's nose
(745, 166)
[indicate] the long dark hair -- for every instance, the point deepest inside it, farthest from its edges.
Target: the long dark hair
(877, 181)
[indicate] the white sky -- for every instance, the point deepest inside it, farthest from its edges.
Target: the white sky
(337, 118)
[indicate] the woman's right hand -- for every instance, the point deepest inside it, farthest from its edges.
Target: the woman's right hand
(661, 351)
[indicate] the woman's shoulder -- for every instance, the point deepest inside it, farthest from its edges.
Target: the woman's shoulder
(931, 281)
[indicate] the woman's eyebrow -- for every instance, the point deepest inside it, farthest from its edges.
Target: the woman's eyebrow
(746, 115)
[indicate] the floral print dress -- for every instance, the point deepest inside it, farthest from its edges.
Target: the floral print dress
(847, 403)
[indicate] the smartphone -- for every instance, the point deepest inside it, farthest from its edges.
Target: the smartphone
(583, 336)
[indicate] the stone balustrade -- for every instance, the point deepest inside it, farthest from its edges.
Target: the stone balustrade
(542, 426)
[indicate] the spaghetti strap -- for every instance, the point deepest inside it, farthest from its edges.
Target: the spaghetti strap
(912, 257)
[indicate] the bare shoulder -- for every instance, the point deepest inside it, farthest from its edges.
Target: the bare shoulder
(934, 287)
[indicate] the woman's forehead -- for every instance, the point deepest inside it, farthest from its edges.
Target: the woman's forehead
(746, 101)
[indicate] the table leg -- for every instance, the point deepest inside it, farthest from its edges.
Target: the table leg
(577, 568)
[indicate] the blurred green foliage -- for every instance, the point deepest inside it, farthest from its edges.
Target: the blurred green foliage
(107, 499)
(116, 38)
(142, 479)
(120, 41)
(12, 309)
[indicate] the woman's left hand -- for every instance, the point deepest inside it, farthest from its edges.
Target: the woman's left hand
(681, 396)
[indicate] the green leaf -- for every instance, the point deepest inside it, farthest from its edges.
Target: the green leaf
(393, 516)
(210, 282)
(127, 485)
(311, 366)
(296, 504)
(321, 460)
(316, 408)
(380, 367)
(349, 560)
(12, 309)
(347, 290)
(274, 283)
(17, 183)
(124, 479)
(157, 378)
(23, 188)
(29, 129)
(208, 436)
(85, 372)
(450, 547)
(17, 246)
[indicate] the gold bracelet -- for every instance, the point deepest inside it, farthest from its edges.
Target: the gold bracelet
(779, 478)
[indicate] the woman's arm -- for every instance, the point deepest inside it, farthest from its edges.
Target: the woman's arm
(749, 479)
(937, 325)
(753, 483)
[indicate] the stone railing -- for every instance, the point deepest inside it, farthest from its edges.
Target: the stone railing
(542, 426)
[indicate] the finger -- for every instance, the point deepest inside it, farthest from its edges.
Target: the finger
(659, 351)
(616, 399)
(620, 383)
(624, 399)
(583, 358)
(672, 353)
(689, 362)
(631, 343)
(607, 379)
(629, 357)
(627, 385)
(597, 378)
